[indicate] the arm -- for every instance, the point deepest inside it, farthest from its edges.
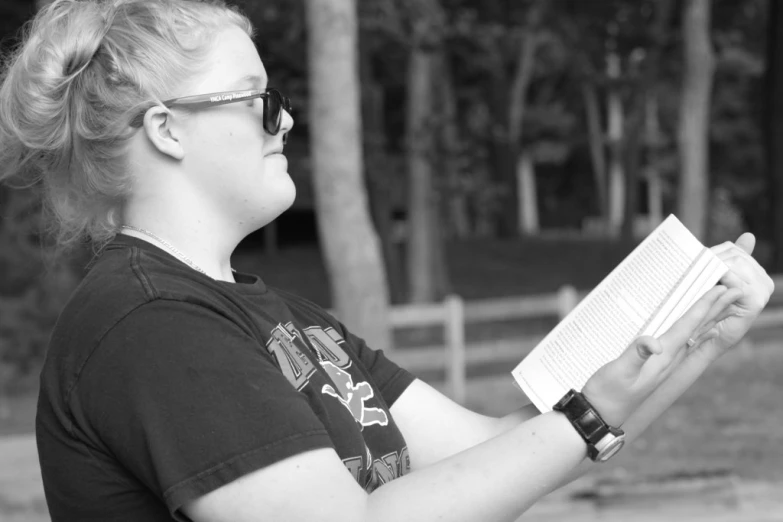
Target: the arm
(494, 480)
(435, 427)
(449, 490)
(422, 411)
(732, 316)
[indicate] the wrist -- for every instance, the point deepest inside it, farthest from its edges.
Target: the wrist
(613, 409)
(602, 439)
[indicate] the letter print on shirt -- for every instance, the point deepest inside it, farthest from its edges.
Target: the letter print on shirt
(287, 345)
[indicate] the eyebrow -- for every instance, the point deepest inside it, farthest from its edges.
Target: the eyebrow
(250, 78)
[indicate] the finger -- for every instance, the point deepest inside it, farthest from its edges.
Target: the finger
(755, 282)
(676, 336)
(745, 261)
(733, 276)
(638, 352)
(734, 252)
(721, 308)
(747, 242)
(723, 247)
(732, 310)
(750, 271)
(708, 335)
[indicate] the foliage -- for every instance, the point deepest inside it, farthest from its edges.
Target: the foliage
(27, 320)
(481, 41)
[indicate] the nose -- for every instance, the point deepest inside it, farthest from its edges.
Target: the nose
(287, 122)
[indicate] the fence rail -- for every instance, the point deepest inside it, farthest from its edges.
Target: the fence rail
(454, 313)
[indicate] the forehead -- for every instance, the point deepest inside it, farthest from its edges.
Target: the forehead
(233, 62)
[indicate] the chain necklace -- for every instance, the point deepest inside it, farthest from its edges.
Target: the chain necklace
(182, 257)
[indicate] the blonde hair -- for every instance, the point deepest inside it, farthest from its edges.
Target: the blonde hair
(82, 71)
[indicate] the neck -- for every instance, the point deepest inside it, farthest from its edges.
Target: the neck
(195, 243)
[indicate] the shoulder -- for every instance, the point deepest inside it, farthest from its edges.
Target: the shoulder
(124, 278)
(130, 292)
(304, 307)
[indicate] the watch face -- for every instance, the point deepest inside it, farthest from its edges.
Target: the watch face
(611, 449)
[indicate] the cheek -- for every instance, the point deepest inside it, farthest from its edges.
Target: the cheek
(234, 154)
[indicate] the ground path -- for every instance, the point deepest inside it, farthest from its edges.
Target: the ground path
(22, 500)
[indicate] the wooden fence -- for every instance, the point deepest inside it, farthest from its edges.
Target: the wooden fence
(453, 314)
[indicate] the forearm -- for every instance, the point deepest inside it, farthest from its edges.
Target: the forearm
(658, 402)
(509, 473)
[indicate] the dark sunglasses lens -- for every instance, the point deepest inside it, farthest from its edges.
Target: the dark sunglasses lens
(273, 116)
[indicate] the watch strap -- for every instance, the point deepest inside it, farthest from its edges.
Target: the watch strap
(583, 416)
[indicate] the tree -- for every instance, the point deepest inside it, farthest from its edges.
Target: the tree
(641, 122)
(693, 136)
(407, 35)
(424, 242)
(349, 242)
(773, 117)
(526, 203)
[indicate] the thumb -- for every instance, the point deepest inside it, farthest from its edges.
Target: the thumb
(637, 353)
(747, 242)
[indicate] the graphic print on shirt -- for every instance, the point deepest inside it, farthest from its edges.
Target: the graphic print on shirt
(288, 346)
(353, 396)
(294, 364)
(384, 469)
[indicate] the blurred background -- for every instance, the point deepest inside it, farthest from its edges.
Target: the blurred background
(505, 155)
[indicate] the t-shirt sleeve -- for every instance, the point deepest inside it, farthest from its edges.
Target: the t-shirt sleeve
(189, 401)
(390, 379)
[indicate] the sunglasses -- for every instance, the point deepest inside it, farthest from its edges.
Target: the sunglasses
(274, 104)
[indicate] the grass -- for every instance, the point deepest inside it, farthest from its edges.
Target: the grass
(730, 420)
(19, 417)
(479, 268)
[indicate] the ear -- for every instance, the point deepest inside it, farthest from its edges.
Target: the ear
(160, 129)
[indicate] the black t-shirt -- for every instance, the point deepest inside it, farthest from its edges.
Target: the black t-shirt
(161, 384)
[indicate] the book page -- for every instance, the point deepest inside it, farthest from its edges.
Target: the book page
(707, 270)
(664, 274)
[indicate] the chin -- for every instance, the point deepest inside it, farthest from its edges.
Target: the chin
(272, 209)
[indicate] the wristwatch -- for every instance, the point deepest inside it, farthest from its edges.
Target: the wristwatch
(603, 441)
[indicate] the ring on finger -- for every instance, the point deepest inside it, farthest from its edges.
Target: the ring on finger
(690, 342)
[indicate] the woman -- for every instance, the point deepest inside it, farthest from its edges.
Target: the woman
(177, 388)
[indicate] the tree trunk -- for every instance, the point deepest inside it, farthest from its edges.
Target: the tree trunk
(637, 132)
(773, 116)
(595, 136)
(351, 247)
(456, 204)
(516, 115)
(631, 151)
(502, 168)
(422, 208)
(616, 186)
(379, 175)
(652, 138)
(528, 203)
(693, 138)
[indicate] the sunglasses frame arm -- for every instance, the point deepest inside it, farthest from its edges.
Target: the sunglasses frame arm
(201, 101)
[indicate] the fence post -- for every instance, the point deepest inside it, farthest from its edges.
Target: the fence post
(567, 299)
(455, 347)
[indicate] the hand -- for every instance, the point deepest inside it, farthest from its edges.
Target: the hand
(620, 386)
(747, 277)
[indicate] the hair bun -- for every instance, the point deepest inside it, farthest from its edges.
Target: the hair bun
(67, 94)
(70, 32)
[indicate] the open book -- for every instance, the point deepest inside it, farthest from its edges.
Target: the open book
(644, 295)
